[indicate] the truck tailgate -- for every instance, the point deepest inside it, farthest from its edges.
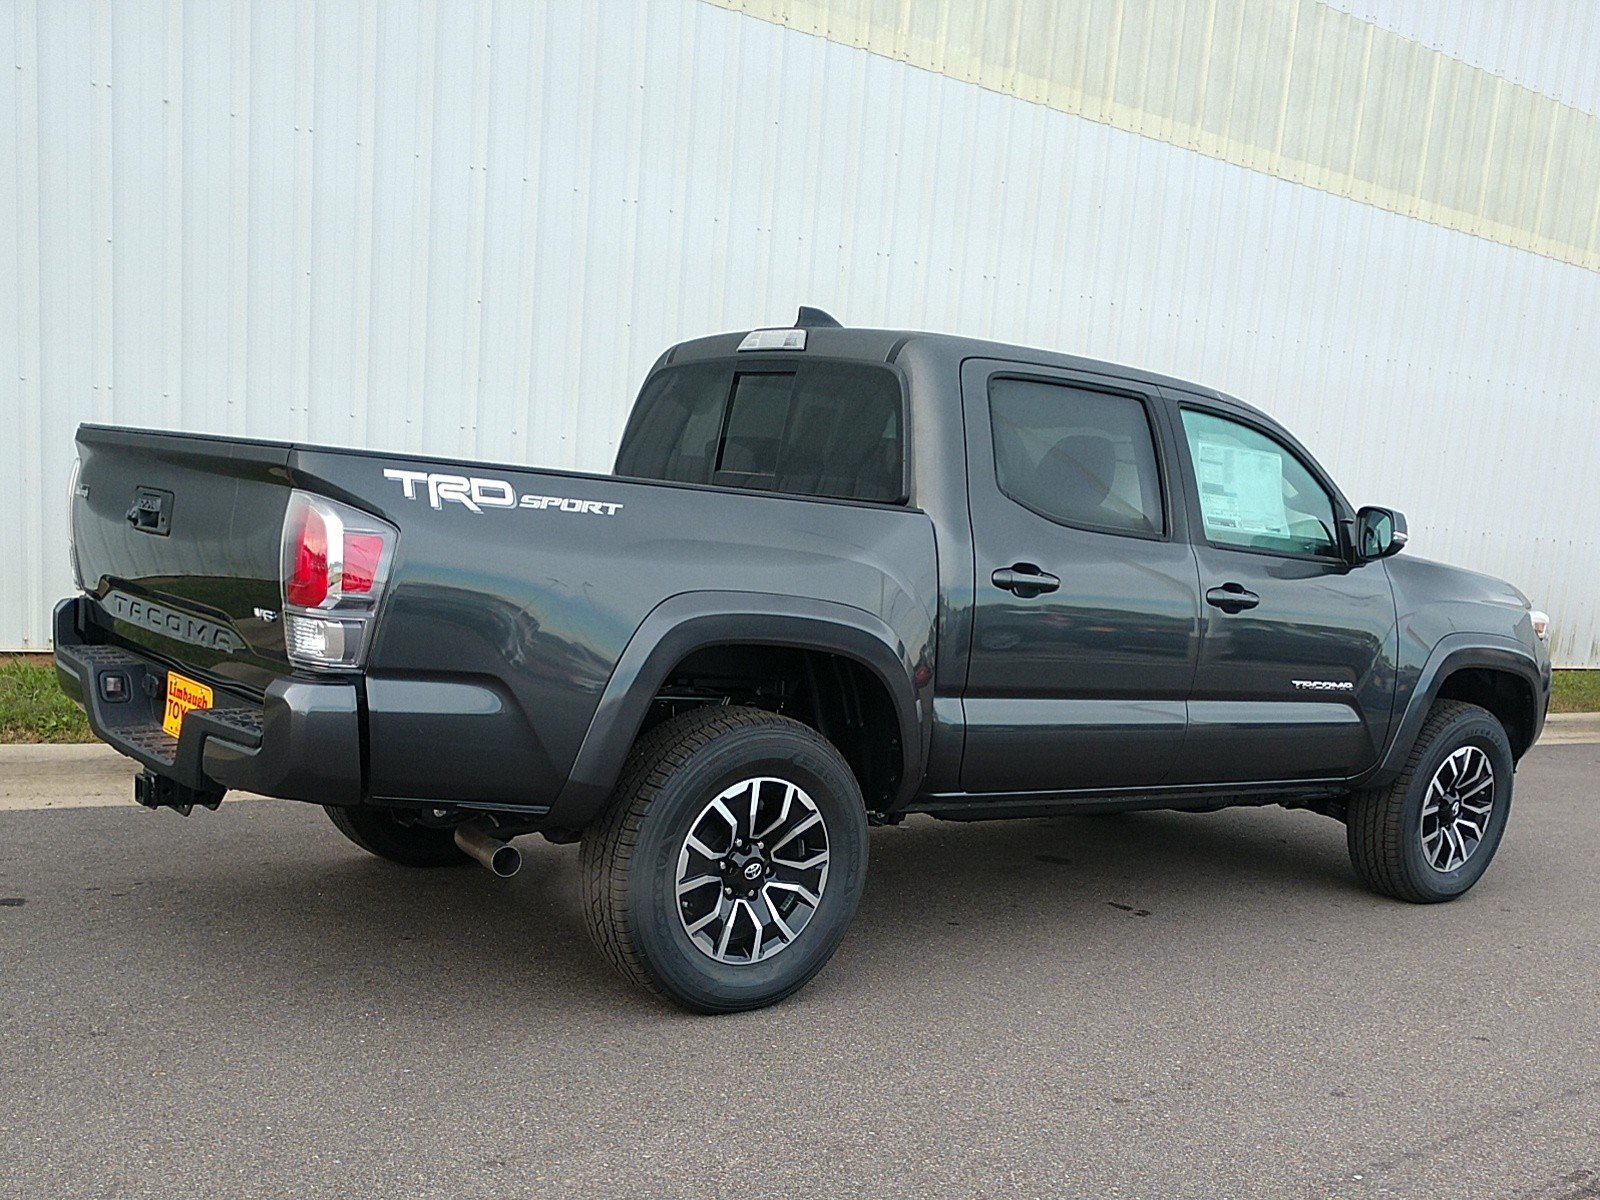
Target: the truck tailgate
(178, 540)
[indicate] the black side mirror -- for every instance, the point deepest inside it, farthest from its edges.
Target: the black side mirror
(1380, 532)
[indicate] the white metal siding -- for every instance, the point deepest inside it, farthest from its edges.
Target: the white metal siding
(1546, 45)
(1297, 88)
(469, 228)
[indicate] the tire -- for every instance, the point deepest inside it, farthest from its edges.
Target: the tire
(765, 768)
(1385, 827)
(378, 831)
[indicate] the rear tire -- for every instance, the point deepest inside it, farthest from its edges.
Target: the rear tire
(1431, 834)
(378, 831)
(730, 861)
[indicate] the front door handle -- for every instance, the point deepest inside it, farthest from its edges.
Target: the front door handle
(1025, 579)
(1232, 598)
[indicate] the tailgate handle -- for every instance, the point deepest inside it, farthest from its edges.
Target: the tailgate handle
(151, 511)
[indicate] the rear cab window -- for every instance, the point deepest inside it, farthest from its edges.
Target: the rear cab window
(827, 429)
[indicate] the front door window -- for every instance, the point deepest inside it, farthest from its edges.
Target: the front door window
(1255, 494)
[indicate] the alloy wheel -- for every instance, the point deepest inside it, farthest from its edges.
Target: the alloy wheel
(752, 870)
(1457, 809)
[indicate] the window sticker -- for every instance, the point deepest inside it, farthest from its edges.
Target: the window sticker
(1241, 490)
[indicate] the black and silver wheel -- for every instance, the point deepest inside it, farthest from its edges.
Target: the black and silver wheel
(383, 832)
(730, 862)
(1457, 809)
(1432, 833)
(752, 870)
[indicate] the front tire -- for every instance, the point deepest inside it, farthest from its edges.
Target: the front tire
(730, 861)
(378, 831)
(1431, 834)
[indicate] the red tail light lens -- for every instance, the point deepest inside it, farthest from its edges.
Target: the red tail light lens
(335, 561)
(362, 554)
(307, 582)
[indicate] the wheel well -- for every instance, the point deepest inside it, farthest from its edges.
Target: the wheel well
(1503, 694)
(834, 694)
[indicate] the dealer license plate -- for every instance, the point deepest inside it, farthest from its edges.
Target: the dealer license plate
(183, 695)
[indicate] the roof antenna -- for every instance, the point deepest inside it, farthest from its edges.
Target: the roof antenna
(814, 318)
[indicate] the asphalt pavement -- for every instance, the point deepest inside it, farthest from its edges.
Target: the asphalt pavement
(1160, 1005)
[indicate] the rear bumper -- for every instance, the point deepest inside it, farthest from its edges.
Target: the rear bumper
(302, 742)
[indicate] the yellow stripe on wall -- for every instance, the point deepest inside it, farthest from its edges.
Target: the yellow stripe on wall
(1294, 88)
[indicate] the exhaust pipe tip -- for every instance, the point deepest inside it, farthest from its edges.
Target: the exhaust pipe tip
(500, 857)
(506, 861)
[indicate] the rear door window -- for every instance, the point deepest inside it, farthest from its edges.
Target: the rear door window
(1080, 457)
(822, 429)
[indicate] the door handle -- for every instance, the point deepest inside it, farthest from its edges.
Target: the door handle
(1025, 579)
(1232, 598)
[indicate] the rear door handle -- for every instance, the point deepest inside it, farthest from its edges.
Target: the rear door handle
(1025, 579)
(1232, 598)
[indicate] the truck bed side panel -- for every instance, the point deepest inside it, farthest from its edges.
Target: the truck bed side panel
(502, 625)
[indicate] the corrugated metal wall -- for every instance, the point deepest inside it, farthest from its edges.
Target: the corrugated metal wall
(468, 228)
(1296, 88)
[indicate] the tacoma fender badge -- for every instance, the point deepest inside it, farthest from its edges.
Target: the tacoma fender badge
(1322, 685)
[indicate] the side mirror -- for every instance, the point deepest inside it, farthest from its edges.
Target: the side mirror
(1380, 532)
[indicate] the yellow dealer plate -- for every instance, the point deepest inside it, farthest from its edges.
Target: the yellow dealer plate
(183, 694)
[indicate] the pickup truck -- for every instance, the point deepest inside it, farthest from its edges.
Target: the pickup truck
(837, 577)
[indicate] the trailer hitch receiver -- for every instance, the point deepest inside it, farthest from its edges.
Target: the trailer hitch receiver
(157, 791)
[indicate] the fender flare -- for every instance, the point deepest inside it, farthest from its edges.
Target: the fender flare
(692, 621)
(1455, 652)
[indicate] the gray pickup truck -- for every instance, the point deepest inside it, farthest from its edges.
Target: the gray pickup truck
(838, 576)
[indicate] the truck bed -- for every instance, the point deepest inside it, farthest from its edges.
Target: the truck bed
(513, 594)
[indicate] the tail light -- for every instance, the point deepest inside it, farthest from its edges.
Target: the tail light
(72, 522)
(335, 561)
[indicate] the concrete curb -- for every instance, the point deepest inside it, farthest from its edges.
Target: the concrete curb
(73, 776)
(1567, 729)
(32, 753)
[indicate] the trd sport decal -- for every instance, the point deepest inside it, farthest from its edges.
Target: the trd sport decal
(478, 494)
